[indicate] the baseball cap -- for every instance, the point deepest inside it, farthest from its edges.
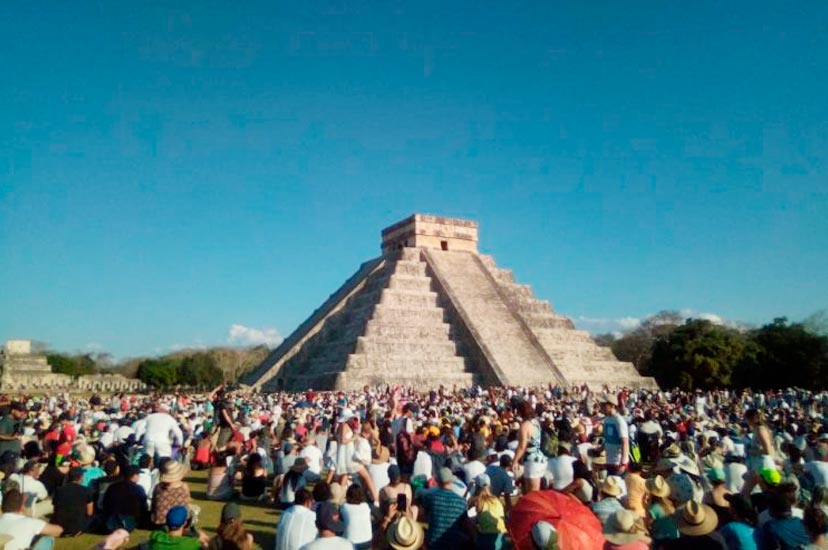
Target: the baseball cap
(177, 517)
(444, 475)
(327, 518)
(230, 512)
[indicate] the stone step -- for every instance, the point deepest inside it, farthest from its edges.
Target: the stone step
(424, 317)
(414, 299)
(533, 306)
(422, 349)
(564, 335)
(539, 321)
(376, 328)
(410, 254)
(401, 364)
(406, 267)
(430, 380)
(409, 282)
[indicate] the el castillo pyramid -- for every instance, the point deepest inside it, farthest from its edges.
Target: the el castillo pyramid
(432, 311)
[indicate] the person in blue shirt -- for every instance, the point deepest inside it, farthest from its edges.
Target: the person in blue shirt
(739, 532)
(782, 531)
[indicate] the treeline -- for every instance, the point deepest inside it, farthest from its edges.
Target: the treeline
(697, 353)
(201, 368)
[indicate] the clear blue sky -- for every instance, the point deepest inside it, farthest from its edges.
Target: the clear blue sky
(167, 172)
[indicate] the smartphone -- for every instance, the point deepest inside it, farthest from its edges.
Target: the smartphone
(402, 502)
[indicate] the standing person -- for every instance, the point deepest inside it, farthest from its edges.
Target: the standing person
(616, 439)
(760, 450)
(330, 528)
(449, 527)
(74, 504)
(24, 530)
(223, 418)
(10, 429)
(297, 526)
(528, 452)
(159, 432)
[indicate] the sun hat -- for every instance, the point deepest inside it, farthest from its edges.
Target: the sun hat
(173, 471)
(327, 518)
(177, 517)
(230, 512)
(405, 534)
(696, 519)
(545, 536)
(86, 455)
(345, 415)
(658, 487)
(382, 455)
(611, 487)
(620, 527)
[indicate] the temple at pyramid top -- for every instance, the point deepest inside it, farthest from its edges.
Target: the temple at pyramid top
(432, 311)
(426, 231)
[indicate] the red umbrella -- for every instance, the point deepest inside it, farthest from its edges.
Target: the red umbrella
(578, 528)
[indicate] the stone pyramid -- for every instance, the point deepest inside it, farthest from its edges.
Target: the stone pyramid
(432, 311)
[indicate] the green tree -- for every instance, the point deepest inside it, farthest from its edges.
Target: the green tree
(637, 346)
(789, 355)
(73, 365)
(698, 354)
(199, 371)
(158, 373)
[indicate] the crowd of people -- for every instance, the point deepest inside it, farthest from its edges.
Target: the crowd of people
(395, 468)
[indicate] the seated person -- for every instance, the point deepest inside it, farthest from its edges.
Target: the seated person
(125, 503)
(25, 532)
(254, 478)
(175, 537)
(73, 504)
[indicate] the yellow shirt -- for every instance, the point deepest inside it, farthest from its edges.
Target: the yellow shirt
(490, 517)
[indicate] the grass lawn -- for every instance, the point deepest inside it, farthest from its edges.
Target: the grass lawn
(260, 520)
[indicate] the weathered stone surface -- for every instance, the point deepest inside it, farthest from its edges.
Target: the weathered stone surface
(24, 371)
(432, 311)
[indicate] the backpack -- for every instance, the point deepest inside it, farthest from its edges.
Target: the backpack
(549, 446)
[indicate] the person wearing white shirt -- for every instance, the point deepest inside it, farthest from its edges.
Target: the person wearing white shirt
(297, 526)
(160, 432)
(818, 468)
(36, 498)
(560, 468)
(356, 515)
(24, 529)
(312, 455)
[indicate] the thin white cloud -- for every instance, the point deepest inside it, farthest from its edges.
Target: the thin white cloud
(603, 324)
(93, 346)
(241, 335)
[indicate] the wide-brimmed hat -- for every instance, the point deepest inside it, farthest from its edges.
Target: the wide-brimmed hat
(620, 527)
(85, 455)
(173, 471)
(405, 534)
(381, 455)
(611, 487)
(673, 451)
(299, 465)
(658, 487)
(345, 415)
(696, 519)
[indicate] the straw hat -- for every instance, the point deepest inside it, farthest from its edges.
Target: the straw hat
(382, 455)
(405, 534)
(620, 527)
(611, 487)
(86, 455)
(696, 519)
(658, 487)
(173, 471)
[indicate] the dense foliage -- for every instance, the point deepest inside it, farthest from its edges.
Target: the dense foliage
(194, 371)
(73, 365)
(697, 353)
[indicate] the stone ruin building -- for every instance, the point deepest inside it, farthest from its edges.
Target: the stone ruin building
(431, 311)
(23, 370)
